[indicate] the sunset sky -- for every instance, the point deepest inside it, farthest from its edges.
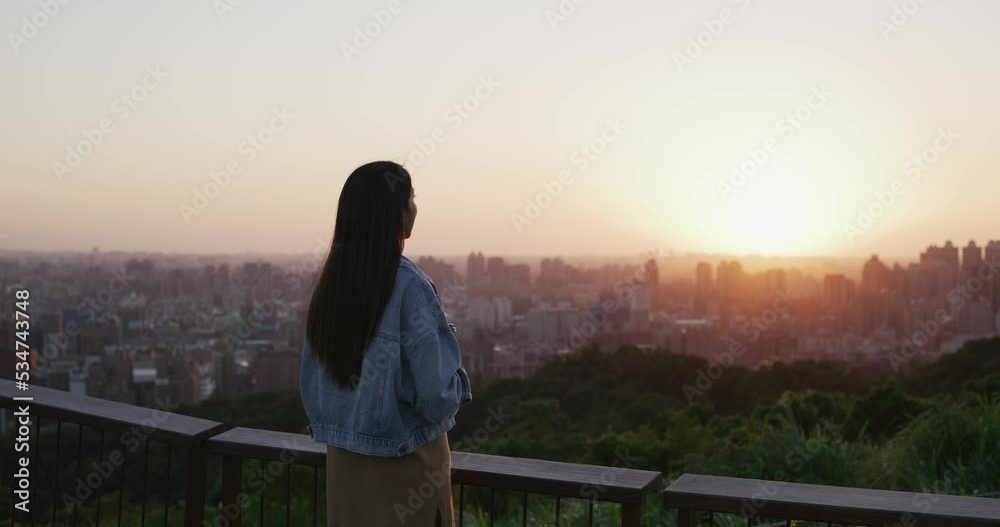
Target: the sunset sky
(542, 86)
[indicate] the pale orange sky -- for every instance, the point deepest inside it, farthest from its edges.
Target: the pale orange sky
(551, 90)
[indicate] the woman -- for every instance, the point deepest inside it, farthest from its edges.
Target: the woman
(381, 376)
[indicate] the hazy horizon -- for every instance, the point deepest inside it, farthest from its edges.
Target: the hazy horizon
(541, 85)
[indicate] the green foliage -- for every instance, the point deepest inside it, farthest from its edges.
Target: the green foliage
(280, 411)
(932, 429)
(935, 429)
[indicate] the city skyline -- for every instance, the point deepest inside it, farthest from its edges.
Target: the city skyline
(911, 257)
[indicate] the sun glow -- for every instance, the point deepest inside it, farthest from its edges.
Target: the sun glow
(776, 213)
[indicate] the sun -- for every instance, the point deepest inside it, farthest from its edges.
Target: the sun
(775, 214)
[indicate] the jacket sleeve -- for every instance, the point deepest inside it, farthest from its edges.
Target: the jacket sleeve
(431, 352)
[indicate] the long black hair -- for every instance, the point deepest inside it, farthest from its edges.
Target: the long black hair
(360, 271)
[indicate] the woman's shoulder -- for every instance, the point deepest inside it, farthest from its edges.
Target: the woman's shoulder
(410, 276)
(409, 269)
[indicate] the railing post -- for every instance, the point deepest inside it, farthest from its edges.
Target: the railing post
(686, 518)
(631, 514)
(232, 485)
(197, 462)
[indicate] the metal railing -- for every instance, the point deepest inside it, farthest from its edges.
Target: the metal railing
(268, 477)
(78, 475)
(756, 501)
(97, 462)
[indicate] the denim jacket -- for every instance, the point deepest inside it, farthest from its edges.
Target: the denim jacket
(411, 384)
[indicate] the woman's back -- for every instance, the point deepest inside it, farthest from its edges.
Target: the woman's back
(381, 376)
(411, 382)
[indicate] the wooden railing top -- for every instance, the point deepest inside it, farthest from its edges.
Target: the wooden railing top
(269, 445)
(846, 505)
(621, 485)
(156, 424)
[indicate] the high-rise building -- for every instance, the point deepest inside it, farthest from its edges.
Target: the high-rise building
(496, 269)
(992, 262)
(775, 281)
(491, 313)
(838, 290)
(640, 304)
(475, 269)
(548, 323)
(519, 275)
(875, 276)
(553, 273)
(652, 274)
(703, 278)
(972, 257)
(277, 370)
(729, 278)
(442, 273)
(940, 265)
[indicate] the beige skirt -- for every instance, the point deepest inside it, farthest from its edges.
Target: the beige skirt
(371, 491)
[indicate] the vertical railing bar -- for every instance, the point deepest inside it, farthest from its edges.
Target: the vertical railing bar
(557, 510)
(232, 490)
(590, 513)
(194, 486)
(55, 483)
(79, 463)
(122, 482)
(145, 478)
(315, 494)
(493, 505)
(631, 513)
(288, 495)
(261, 511)
(100, 493)
(686, 518)
(524, 510)
(711, 519)
(166, 492)
(461, 505)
